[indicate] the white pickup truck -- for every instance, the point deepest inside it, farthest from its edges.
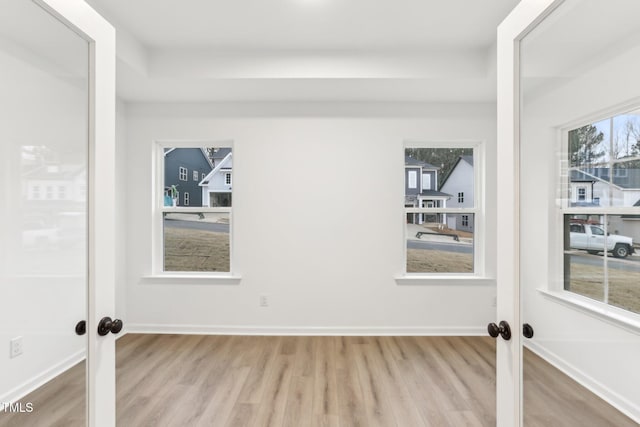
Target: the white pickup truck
(591, 238)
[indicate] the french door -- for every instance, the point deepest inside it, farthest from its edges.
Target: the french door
(57, 124)
(569, 154)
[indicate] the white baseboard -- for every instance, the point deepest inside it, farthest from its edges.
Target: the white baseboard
(141, 328)
(39, 380)
(624, 405)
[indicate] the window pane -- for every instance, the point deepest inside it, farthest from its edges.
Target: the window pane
(583, 255)
(624, 266)
(196, 242)
(439, 243)
(212, 165)
(626, 135)
(589, 144)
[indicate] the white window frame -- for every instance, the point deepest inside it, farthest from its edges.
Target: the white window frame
(582, 190)
(195, 175)
(183, 174)
(186, 198)
(556, 280)
(227, 178)
(477, 210)
(461, 197)
(157, 273)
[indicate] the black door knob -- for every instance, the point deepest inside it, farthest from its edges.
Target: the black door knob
(502, 329)
(81, 327)
(107, 325)
(104, 327)
(116, 326)
(527, 330)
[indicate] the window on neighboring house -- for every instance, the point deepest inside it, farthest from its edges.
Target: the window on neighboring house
(413, 179)
(599, 243)
(182, 174)
(582, 194)
(438, 237)
(194, 238)
(227, 178)
(426, 181)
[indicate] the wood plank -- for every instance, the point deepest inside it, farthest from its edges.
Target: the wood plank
(180, 380)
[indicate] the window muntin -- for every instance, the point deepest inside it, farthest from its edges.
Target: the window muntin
(227, 178)
(196, 233)
(602, 221)
(439, 234)
(460, 197)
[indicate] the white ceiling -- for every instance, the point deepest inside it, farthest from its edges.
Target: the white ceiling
(306, 50)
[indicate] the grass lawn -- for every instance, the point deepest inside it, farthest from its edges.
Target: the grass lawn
(432, 261)
(195, 250)
(624, 286)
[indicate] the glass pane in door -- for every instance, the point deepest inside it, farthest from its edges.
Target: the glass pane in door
(44, 101)
(580, 215)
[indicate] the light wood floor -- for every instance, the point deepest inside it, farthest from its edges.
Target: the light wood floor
(192, 380)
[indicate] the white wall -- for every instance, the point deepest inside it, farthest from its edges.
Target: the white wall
(600, 354)
(318, 221)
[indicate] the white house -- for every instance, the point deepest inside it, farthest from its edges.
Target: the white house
(216, 186)
(460, 184)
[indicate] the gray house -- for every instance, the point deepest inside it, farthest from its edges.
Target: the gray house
(421, 183)
(185, 168)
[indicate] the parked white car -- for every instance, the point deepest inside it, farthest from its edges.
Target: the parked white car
(592, 238)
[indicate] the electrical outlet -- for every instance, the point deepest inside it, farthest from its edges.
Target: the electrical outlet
(264, 301)
(15, 347)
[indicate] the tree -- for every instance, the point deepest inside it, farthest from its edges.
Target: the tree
(584, 146)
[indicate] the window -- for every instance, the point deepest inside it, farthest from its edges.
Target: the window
(182, 174)
(227, 178)
(582, 194)
(196, 235)
(603, 235)
(413, 179)
(440, 238)
(426, 181)
(202, 175)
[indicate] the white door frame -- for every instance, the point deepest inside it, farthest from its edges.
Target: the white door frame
(100, 35)
(525, 16)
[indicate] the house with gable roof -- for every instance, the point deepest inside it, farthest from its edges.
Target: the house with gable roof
(185, 168)
(216, 185)
(460, 184)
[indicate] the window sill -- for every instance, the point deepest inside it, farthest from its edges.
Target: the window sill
(599, 310)
(452, 279)
(190, 279)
